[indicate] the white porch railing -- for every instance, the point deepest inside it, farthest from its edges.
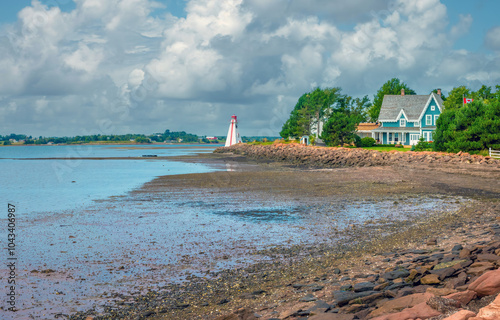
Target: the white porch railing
(494, 153)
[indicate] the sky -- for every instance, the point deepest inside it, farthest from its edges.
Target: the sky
(78, 67)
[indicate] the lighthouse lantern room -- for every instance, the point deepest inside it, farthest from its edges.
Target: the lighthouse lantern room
(233, 137)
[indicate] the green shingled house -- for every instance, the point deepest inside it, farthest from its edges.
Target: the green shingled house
(405, 118)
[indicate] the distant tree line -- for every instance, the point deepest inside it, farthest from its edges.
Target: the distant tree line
(167, 136)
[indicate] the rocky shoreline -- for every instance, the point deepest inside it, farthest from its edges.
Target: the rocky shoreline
(298, 154)
(452, 276)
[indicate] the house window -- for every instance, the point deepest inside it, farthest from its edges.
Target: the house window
(436, 119)
(428, 120)
(417, 123)
(390, 136)
(433, 108)
(428, 136)
(402, 123)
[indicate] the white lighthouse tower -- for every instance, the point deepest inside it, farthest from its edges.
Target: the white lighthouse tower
(233, 137)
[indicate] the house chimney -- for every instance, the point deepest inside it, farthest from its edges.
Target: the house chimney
(402, 92)
(439, 92)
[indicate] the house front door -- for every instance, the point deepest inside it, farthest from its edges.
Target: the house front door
(414, 138)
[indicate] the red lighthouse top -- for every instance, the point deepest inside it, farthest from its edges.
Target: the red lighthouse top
(233, 117)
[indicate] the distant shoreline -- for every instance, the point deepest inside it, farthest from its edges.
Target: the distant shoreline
(112, 143)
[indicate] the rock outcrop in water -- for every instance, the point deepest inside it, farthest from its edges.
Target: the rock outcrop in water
(302, 155)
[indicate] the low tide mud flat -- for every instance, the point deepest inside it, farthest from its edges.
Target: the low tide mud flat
(201, 246)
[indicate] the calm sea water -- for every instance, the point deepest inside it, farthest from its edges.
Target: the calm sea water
(38, 186)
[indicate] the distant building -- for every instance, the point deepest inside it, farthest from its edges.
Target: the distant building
(405, 118)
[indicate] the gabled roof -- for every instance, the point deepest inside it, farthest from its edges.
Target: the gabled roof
(412, 105)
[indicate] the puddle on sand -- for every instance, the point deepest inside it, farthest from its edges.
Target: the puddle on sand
(82, 259)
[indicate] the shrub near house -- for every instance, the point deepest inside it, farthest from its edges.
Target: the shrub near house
(471, 128)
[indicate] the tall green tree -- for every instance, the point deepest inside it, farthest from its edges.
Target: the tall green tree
(343, 121)
(456, 96)
(484, 93)
(471, 128)
(392, 86)
(310, 107)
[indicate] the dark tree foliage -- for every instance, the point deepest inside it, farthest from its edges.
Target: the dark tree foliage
(140, 138)
(471, 128)
(341, 126)
(455, 98)
(310, 108)
(392, 86)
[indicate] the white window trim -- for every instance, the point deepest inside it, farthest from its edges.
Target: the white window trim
(428, 120)
(436, 116)
(402, 122)
(416, 123)
(427, 136)
(433, 107)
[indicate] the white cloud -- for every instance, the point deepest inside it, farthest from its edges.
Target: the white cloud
(492, 39)
(462, 27)
(85, 59)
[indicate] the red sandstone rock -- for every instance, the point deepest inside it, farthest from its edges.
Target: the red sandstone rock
(332, 316)
(463, 297)
(430, 279)
(338, 157)
(478, 268)
(491, 311)
(487, 284)
(399, 304)
(419, 311)
(461, 315)
(488, 257)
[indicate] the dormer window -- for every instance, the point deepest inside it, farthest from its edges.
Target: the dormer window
(402, 123)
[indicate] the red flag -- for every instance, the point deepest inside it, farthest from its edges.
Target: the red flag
(468, 100)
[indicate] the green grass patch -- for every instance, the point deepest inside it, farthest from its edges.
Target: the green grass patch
(260, 143)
